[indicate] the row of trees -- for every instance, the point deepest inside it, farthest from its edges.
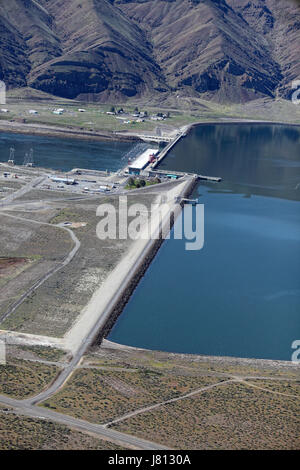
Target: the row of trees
(138, 183)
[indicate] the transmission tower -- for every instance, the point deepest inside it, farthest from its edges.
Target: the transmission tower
(28, 160)
(11, 159)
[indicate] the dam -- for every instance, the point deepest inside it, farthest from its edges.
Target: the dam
(146, 164)
(240, 295)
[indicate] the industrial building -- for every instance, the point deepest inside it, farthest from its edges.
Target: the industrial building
(57, 179)
(142, 161)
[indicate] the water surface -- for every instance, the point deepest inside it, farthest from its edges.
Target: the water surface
(239, 295)
(65, 154)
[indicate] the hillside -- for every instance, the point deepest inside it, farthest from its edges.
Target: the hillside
(111, 50)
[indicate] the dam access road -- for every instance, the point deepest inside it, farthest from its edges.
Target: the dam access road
(85, 329)
(22, 408)
(96, 314)
(93, 318)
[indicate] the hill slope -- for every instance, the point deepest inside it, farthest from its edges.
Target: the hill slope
(111, 50)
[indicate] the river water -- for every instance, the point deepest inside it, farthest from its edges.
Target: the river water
(239, 295)
(65, 154)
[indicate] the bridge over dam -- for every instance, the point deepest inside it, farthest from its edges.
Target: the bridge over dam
(148, 137)
(167, 149)
(151, 168)
(142, 166)
(146, 163)
(180, 174)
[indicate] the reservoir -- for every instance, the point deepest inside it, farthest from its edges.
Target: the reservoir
(240, 295)
(65, 154)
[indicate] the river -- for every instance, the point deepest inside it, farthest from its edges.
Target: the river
(65, 154)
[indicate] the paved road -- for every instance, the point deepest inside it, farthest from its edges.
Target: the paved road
(27, 406)
(20, 407)
(86, 342)
(89, 338)
(20, 192)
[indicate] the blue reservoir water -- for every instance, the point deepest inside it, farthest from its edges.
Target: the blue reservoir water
(65, 154)
(239, 295)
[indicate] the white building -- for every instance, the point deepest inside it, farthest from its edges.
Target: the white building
(142, 161)
(57, 179)
(59, 111)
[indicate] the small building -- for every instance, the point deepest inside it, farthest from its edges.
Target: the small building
(57, 179)
(104, 189)
(172, 177)
(58, 111)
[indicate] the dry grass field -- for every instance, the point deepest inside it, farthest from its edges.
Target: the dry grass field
(101, 395)
(20, 433)
(52, 308)
(236, 404)
(20, 378)
(232, 416)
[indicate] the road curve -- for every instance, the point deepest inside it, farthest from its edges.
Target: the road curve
(88, 339)
(85, 344)
(52, 271)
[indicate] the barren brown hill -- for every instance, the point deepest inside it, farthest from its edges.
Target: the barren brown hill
(112, 50)
(77, 48)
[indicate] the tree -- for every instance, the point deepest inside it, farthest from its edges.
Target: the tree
(112, 109)
(136, 109)
(142, 183)
(131, 181)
